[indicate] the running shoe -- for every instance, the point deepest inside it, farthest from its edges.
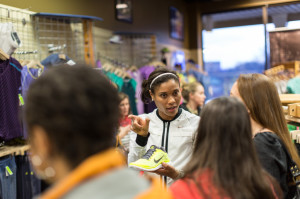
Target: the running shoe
(152, 159)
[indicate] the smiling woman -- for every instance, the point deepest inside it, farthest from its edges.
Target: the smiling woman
(168, 126)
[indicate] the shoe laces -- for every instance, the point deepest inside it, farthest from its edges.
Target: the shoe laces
(148, 154)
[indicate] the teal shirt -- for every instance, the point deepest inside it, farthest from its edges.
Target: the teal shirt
(116, 79)
(293, 85)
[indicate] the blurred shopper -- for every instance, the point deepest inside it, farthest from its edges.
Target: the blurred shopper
(269, 128)
(193, 94)
(72, 114)
(224, 164)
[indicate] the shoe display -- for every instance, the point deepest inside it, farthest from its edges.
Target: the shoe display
(152, 159)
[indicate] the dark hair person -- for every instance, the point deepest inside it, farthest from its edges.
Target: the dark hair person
(194, 96)
(72, 114)
(168, 126)
(224, 163)
(269, 127)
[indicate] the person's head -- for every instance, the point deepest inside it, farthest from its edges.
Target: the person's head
(71, 114)
(163, 88)
(124, 105)
(178, 67)
(193, 92)
(261, 98)
(224, 146)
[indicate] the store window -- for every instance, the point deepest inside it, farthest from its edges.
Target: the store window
(234, 43)
(231, 51)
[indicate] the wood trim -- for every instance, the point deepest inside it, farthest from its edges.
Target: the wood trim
(292, 119)
(209, 7)
(89, 54)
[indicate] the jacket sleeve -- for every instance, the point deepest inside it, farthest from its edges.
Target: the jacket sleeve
(136, 151)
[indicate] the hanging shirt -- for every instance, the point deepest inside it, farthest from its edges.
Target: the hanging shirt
(145, 73)
(293, 85)
(116, 79)
(128, 88)
(28, 75)
(10, 81)
(54, 60)
(136, 75)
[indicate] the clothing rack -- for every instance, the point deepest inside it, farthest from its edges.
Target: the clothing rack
(26, 52)
(13, 150)
(52, 48)
(113, 61)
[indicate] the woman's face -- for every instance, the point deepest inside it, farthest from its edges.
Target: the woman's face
(235, 91)
(167, 98)
(124, 107)
(198, 96)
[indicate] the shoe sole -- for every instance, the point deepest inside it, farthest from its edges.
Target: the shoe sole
(143, 169)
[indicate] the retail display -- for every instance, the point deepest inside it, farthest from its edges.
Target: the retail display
(31, 43)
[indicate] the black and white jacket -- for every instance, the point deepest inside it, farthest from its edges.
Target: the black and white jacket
(176, 136)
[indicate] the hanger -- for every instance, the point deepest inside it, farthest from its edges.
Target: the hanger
(118, 72)
(62, 56)
(127, 75)
(108, 67)
(31, 64)
(3, 55)
(37, 65)
(24, 62)
(157, 64)
(133, 68)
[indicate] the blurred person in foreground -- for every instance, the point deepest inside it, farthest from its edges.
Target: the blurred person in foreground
(72, 114)
(224, 164)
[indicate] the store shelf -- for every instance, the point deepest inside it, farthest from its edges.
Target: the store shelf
(289, 98)
(13, 150)
(292, 119)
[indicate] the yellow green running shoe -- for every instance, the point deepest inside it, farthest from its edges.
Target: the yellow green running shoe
(152, 159)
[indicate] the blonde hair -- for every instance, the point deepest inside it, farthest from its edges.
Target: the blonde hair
(188, 88)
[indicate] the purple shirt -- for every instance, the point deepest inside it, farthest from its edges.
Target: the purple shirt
(136, 75)
(10, 81)
(28, 76)
(145, 73)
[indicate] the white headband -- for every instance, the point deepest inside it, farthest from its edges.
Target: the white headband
(161, 76)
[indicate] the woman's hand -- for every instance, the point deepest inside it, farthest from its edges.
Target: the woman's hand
(167, 170)
(140, 126)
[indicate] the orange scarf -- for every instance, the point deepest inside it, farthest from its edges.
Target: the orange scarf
(94, 166)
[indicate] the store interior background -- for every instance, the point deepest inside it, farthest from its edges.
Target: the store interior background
(224, 37)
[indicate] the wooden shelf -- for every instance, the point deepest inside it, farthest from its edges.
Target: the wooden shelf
(13, 150)
(289, 98)
(292, 119)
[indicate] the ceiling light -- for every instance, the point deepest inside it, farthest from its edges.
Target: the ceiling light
(122, 6)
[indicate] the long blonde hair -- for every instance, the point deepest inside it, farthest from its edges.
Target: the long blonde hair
(188, 88)
(262, 100)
